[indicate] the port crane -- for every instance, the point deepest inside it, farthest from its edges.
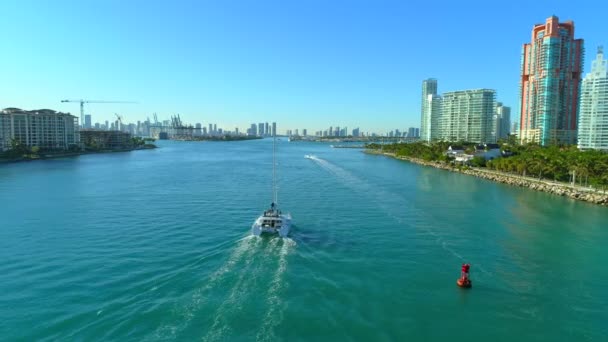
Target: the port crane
(176, 128)
(82, 102)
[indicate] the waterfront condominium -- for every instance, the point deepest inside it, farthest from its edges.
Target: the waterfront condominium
(593, 118)
(429, 90)
(43, 128)
(551, 67)
(467, 115)
(502, 121)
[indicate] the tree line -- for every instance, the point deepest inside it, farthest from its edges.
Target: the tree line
(558, 163)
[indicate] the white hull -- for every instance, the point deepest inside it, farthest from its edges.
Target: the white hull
(261, 225)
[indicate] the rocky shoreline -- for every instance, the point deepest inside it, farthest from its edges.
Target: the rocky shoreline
(560, 189)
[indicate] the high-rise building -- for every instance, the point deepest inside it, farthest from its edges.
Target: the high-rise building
(43, 128)
(515, 128)
(210, 131)
(261, 129)
(467, 116)
(87, 121)
(413, 132)
(551, 68)
(253, 130)
(593, 119)
(274, 129)
(429, 91)
(434, 110)
(502, 121)
(304, 132)
(267, 129)
(356, 132)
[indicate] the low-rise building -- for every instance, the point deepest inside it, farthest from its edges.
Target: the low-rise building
(43, 128)
(106, 140)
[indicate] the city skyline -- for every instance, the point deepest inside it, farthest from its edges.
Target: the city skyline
(354, 66)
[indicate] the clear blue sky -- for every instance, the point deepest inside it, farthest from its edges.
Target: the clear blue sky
(305, 64)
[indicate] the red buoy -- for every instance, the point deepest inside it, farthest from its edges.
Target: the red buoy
(464, 280)
(466, 283)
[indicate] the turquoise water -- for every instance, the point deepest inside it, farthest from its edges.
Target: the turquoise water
(154, 245)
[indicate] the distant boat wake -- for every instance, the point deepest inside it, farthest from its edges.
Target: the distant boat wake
(405, 215)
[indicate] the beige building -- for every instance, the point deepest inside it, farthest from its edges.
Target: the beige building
(44, 128)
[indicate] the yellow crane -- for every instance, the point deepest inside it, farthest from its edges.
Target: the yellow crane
(82, 102)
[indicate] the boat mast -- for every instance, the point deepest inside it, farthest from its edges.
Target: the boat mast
(274, 173)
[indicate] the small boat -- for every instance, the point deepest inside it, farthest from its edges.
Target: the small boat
(309, 156)
(272, 220)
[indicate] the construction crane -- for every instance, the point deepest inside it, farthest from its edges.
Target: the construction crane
(82, 102)
(119, 117)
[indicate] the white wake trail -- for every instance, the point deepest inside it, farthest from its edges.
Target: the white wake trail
(276, 304)
(245, 248)
(243, 285)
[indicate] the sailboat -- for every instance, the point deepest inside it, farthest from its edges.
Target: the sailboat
(272, 220)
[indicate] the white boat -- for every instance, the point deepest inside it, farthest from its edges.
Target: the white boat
(309, 156)
(272, 220)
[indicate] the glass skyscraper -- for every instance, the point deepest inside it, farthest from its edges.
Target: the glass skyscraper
(551, 68)
(429, 89)
(593, 119)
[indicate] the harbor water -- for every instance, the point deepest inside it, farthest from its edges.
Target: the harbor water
(155, 245)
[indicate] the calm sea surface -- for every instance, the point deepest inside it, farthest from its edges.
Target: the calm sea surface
(155, 245)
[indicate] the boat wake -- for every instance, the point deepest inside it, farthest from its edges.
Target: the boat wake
(236, 281)
(388, 201)
(243, 290)
(274, 296)
(244, 250)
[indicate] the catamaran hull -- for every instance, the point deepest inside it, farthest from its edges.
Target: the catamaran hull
(257, 230)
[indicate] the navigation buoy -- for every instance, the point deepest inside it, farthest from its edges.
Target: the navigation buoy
(464, 280)
(466, 283)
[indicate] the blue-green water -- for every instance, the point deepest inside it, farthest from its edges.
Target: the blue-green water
(153, 245)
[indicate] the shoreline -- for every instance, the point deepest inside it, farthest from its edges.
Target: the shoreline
(589, 195)
(67, 155)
